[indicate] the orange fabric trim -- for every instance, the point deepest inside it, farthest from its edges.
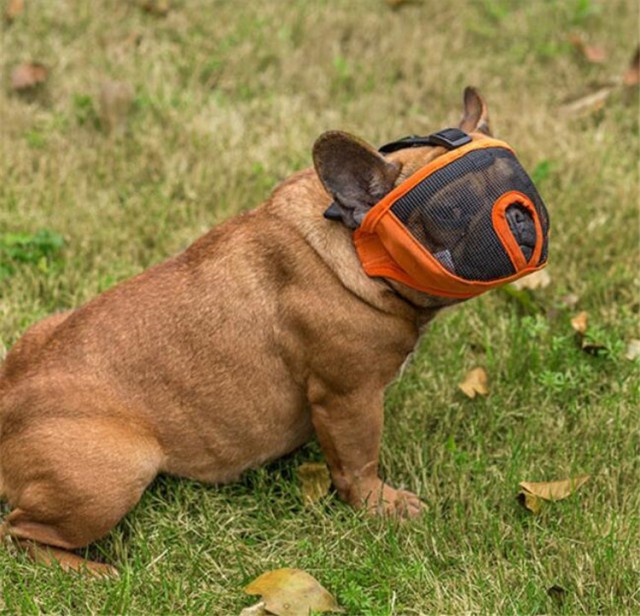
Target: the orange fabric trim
(502, 229)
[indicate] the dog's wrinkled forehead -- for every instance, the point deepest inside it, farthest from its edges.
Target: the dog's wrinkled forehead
(413, 159)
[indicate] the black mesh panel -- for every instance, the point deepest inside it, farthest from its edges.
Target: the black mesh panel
(450, 213)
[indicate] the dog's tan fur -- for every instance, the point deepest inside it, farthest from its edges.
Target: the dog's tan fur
(224, 357)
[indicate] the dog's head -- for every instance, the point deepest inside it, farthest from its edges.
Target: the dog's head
(357, 176)
(451, 227)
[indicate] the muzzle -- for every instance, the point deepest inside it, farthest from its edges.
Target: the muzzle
(466, 222)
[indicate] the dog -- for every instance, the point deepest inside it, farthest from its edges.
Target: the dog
(233, 353)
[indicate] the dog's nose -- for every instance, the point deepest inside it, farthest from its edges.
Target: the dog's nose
(522, 227)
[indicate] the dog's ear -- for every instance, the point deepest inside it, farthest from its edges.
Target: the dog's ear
(475, 118)
(353, 173)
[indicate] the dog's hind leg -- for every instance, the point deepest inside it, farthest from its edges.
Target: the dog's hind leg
(70, 480)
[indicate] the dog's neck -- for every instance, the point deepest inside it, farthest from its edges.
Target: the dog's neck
(333, 243)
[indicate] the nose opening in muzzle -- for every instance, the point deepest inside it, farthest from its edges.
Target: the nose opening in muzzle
(522, 227)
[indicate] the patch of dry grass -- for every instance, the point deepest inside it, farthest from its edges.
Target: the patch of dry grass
(228, 100)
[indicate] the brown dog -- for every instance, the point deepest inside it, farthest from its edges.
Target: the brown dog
(224, 357)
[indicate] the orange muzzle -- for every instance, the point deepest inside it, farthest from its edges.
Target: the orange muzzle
(467, 222)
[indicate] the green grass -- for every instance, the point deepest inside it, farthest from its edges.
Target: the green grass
(229, 98)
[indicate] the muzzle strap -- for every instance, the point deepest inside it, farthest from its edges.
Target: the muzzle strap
(449, 138)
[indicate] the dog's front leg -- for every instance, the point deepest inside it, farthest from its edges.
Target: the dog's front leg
(349, 428)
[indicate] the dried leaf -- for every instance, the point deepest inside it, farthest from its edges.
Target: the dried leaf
(588, 104)
(14, 9)
(580, 322)
(554, 490)
(475, 382)
(538, 280)
(315, 481)
(28, 75)
(591, 53)
(116, 98)
(633, 350)
(255, 610)
(631, 76)
(530, 502)
(292, 592)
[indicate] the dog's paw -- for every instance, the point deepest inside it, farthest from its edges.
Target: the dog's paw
(391, 502)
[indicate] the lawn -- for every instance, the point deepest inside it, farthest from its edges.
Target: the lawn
(228, 98)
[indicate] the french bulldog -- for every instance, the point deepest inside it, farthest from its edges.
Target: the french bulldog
(262, 333)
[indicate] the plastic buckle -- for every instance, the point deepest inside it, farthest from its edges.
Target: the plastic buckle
(450, 138)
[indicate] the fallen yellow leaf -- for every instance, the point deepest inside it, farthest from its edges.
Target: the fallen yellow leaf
(315, 481)
(538, 280)
(255, 610)
(554, 490)
(475, 382)
(580, 322)
(530, 502)
(292, 592)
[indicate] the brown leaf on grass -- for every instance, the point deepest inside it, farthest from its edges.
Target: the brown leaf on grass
(591, 53)
(538, 280)
(14, 9)
(475, 382)
(530, 502)
(28, 76)
(633, 350)
(631, 76)
(292, 592)
(580, 322)
(554, 490)
(315, 481)
(116, 98)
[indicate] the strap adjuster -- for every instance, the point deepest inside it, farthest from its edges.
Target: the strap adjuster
(450, 138)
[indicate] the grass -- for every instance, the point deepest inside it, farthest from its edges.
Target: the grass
(229, 98)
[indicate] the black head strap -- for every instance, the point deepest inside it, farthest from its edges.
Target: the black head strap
(450, 138)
